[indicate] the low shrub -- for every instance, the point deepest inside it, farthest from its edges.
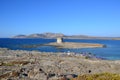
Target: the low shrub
(101, 76)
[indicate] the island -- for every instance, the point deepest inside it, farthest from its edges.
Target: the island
(70, 45)
(75, 45)
(60, 44)
(50, 35)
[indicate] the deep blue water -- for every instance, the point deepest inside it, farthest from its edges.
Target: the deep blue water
(112, 52)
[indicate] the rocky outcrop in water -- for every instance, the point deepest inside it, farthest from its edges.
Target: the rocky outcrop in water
(72, 45)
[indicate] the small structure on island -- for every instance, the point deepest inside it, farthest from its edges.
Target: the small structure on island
(59, 40)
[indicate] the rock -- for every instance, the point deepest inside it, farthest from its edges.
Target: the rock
(40, 76)
(36, 69)
(70, 76)
(1, 63)
(9, 74)
(23, 75)
(89, 71)
(22, 69)
(52, 66)
(37, 73)
(63, 78)
(14, 74)
(31, 74)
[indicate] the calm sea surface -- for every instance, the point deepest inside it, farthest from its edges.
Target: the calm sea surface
(112, 52)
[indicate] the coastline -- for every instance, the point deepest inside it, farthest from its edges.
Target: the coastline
(40, 65)
(69, 45)
(75, 45)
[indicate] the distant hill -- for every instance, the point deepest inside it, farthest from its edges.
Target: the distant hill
(20, 36)
(55, 35)
(42, 35)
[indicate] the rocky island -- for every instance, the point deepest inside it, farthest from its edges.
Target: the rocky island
(60, 44)
(75, 45)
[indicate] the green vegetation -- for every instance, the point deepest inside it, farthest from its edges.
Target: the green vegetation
(101, 76)
(87, 57)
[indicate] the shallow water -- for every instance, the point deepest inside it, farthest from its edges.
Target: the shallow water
(112, 52)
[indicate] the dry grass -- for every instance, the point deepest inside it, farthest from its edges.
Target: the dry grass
(101, 76)
(12, 63)
(9, 74)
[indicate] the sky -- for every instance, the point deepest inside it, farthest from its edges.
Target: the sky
(70, 17)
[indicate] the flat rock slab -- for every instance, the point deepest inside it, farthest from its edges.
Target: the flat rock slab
(75, 45)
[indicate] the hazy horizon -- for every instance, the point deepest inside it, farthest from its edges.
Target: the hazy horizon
(70, 17)
(60, 33)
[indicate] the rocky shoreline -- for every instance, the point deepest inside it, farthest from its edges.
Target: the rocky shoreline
(75, 45)
(34, 65)
(68, 45)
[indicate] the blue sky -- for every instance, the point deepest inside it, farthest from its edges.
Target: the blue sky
(85, 17)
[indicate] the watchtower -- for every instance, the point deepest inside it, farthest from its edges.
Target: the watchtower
(59, 40)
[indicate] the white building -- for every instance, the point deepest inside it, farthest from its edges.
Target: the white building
(59, 40)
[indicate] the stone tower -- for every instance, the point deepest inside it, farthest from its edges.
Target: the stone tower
(59, 40)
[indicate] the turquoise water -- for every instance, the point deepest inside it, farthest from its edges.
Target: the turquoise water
(112, 52)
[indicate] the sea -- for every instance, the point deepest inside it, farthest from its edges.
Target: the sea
(111, 52)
